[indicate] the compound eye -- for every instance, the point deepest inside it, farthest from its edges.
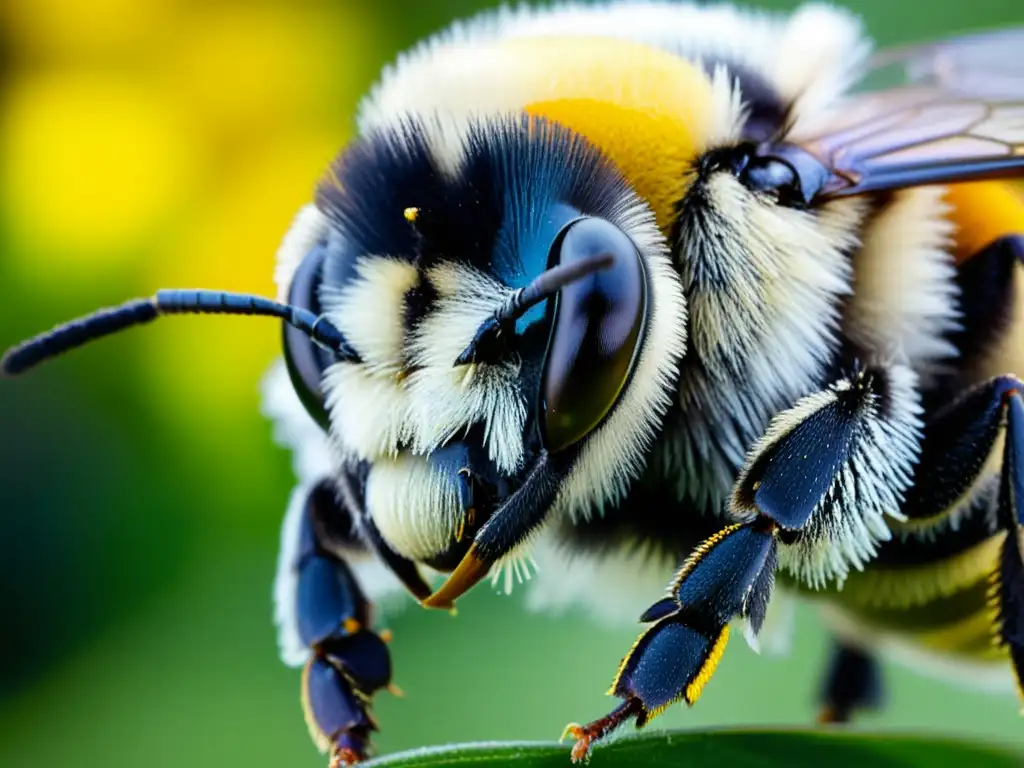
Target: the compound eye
(596, 331)
(775, 176)
(767, 173)
(306, 361)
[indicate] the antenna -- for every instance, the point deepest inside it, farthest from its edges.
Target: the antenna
(544, 286)
(105, 322)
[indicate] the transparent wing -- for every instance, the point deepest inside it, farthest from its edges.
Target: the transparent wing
(984, 64)
(959, 116)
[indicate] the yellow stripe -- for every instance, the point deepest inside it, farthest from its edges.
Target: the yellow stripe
(901, 588)
(971, 636)
(694, 689)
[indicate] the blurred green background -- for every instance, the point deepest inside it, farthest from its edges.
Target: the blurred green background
(168, 143)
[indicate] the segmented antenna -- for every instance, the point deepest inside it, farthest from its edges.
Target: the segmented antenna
(112, 320)
(544, 286)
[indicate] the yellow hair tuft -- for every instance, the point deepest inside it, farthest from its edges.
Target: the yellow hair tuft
(696, 686)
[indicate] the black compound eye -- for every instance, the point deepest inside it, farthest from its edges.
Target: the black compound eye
(305, 359)
(768, 174)
(596, 332)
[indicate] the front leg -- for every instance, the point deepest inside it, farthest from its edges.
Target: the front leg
(812, 499)
(325, 624)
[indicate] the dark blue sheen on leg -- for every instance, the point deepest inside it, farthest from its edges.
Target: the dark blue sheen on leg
(791, 476)
(331, 706)
(664, 607)
(1015, 451)
(664, 665)
(364, 657)
(724, 577)
(325, 599)
(717, 579)
(1006, 586)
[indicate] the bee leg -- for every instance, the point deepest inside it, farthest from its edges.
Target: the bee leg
(853, 682)
(835, 456)
(352, 487)
(515, 518)
(1006, 583)
(957, 445)
(958, 440)
(729, 575)
(322, 608)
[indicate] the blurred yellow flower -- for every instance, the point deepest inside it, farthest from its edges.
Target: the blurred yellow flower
(91, 165)
(171, 142)
(203, 368)
(245, 75)
(77, 29)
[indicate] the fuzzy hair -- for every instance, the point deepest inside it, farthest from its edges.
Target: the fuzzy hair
(904, 300)
(615, 454)
(414, 505)
(764, 284)
(810, 56)
(313, 460)
(444, 400)
(849, 522)
(378, 412)
(366, 400)
(308, 227)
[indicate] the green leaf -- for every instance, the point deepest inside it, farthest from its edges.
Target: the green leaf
(753, 748)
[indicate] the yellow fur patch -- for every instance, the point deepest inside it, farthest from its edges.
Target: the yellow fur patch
(982, 212)
(648, 111)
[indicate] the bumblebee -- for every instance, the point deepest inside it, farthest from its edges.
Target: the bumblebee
(626, 289)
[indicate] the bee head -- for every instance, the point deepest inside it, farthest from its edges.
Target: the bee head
(515, 321)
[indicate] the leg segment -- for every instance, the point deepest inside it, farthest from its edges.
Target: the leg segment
(816, 485)
(1006, 593)
(731, 574)
(959, 439)
(322, 609)
(853, 682)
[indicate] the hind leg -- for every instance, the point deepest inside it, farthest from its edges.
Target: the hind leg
(324, 623)
(852, 683)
